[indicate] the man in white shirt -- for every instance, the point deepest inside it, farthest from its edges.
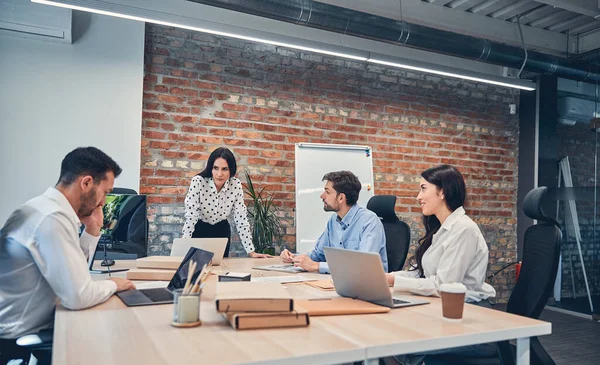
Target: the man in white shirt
(43, 257)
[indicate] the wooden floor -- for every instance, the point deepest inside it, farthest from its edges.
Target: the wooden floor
(573, 340)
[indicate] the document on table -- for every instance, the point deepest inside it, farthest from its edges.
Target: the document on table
(282, 279)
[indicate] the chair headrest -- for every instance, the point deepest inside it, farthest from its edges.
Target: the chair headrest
(532, 205)
(383, 206)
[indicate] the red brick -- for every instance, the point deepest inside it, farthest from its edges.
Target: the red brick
(235, 107)
(161, 181)
(193, 129)
(221, 132)
(248, 135)
(185, 119)
(174, 81)
(170, 99)
(227, 115)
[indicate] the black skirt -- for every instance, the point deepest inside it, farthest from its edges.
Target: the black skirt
(206, 230)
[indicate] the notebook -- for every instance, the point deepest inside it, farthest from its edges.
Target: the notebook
(338, 306)
(246, 321)
(248, 296)
(326, 284)
(154, 296)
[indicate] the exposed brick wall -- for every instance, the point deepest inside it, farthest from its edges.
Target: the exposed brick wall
(579, 144)
(203, 91)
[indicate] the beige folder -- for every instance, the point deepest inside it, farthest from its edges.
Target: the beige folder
(150, 274)
(326, 284)
(249, 296)
(338, 306)
(159, 262)
(243, 321)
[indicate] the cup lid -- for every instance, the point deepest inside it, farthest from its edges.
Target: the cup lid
(453, 288)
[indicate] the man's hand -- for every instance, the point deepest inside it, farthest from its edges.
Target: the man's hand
(286, 256)
(305, 262)
(255, 255)
(123, 284)
(93, 222)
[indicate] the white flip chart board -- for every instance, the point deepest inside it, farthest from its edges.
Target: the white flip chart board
(313, 161)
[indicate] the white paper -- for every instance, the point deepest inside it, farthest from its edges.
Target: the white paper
(152, 284)
(282, 279)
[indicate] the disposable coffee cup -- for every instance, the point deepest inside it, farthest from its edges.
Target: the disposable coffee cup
(453, 300)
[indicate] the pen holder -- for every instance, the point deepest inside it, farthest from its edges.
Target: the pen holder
(186, 309)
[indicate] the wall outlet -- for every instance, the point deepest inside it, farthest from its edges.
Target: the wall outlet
(512, 108)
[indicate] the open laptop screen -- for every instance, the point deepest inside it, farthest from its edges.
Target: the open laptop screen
(201, 257)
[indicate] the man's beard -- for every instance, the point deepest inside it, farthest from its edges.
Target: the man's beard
(88, 203)
(328, 208)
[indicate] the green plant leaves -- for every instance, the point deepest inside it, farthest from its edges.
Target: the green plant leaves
(262, 213)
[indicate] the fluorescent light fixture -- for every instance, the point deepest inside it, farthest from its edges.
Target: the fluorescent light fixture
(139, 13)
(450, 72)
(273, 39)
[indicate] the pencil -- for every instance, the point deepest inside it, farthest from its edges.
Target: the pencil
(191, 269)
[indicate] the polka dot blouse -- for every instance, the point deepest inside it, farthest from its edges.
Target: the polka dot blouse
(204, 202)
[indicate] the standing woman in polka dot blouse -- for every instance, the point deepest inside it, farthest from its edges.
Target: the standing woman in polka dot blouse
(213, 194)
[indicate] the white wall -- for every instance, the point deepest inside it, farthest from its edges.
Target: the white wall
(56, 97)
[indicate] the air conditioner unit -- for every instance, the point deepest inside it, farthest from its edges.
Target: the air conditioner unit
(29, 20)
(572, 110)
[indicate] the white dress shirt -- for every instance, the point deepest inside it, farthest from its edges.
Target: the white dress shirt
(204, 202)
(42, 257)
(458, 254)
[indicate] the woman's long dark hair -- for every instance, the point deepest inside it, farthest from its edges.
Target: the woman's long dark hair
(223, 153)
(451, 181)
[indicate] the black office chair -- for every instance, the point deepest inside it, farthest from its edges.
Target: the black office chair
(397, 233)
(123, 191)
(541, 253)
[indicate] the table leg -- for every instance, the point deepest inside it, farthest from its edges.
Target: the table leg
(372, 362)
(523, 353)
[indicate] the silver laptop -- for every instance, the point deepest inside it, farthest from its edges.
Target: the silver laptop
(217, 246)
(360, 275)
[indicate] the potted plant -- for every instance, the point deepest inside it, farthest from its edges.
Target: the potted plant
(264, 222)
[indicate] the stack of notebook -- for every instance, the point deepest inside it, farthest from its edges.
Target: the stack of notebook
(155, 268)
(252, 305)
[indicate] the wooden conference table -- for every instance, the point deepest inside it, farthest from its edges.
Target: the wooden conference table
(112, 333)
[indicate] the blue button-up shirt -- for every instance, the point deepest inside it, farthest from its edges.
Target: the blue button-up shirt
(360, 230)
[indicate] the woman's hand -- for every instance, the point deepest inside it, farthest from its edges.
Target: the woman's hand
(390, 279)
(287, 256)
(255, 255)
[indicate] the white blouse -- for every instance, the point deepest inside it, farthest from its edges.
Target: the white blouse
(458, 254)
(204, 202)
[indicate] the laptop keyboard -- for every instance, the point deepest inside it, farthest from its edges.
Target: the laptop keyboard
(399, 301)
(158, 294)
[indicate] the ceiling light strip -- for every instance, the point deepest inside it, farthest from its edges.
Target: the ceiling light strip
(300, 44)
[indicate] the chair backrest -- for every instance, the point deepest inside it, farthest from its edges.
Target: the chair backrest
(123, 191)
(541, 253)
(397, 233)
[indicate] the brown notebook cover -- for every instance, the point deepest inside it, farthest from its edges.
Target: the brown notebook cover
(338, 306)
(321, 284)
(159, 262)
(246, 321)
(150, 274)
(252, 297)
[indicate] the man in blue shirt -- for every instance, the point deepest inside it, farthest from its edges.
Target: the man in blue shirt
(352, 227)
